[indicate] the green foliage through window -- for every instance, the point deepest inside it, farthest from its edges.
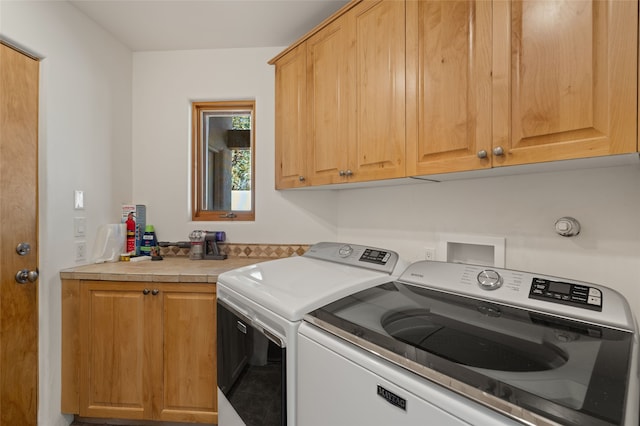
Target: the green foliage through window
(241, 169)
(241, 122)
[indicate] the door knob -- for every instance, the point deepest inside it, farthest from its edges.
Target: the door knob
(25, 275)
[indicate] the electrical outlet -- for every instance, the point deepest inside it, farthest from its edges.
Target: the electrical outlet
(429, 253)
(81, 251)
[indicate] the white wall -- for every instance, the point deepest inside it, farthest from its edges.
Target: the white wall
(84, 143)
(523, 209)
(164, 85)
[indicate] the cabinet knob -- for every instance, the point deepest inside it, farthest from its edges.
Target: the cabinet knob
(146, 291)
(498, 150)
(301, 178)
(155, 292)
(341, 172)
(348, 173)
(482, 154)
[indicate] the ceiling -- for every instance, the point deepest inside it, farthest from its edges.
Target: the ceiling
(151, 25)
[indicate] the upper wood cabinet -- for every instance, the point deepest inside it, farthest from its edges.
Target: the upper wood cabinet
(448, 85)
(378, 148)
(330, 102)
(291, 118)
(564, 79)
(420, 87)
(356, 95)
(504, 83)
(352, 127)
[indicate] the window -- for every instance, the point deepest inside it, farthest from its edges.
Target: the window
(223, 160)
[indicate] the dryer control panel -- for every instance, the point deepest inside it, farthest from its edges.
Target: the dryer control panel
(578, 295)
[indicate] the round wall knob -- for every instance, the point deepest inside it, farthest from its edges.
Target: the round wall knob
(567, 226)
(482, 154)
(498, 150)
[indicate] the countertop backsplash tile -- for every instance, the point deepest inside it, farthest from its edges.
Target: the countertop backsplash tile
(259, 251)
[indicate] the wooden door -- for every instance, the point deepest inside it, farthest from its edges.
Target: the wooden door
(291, 110)
(184, 360)
(330, 102)
(18, 221)
(448, 86)
(378, 151)
(114, 380)
(564, 79)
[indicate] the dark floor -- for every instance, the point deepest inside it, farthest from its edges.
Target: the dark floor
(258, 395)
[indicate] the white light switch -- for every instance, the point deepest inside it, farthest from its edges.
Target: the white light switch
(79, 226)
(78, 200)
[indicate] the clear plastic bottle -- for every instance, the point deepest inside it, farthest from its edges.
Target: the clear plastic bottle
(197, 245)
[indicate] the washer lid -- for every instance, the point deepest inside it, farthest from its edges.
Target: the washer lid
(294, 286)
(514, 360)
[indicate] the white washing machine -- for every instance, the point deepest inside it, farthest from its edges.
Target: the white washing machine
(260, 308)
(455, 344)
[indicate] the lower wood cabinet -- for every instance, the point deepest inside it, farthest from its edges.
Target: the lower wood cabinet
(141, 351)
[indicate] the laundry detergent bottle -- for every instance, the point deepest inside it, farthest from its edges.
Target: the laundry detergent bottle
(149, 241)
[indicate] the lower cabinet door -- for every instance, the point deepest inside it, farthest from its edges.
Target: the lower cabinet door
(113, 377)
(185, 390)
(148, 351)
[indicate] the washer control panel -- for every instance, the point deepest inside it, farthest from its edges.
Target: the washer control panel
(372, 258)
(578, 295)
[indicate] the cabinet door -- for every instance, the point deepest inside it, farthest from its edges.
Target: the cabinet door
(378, 151)
(330, 102)
(448, 86)
(114, 381)
(184, 389)
(291, 110)
(565, 79)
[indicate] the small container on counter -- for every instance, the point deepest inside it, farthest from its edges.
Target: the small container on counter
(149, 241)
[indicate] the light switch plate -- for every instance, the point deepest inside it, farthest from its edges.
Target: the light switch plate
(78, 200)
(79, 226)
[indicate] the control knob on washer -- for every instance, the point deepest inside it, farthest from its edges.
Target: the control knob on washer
(345, 250)
(489, 279)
